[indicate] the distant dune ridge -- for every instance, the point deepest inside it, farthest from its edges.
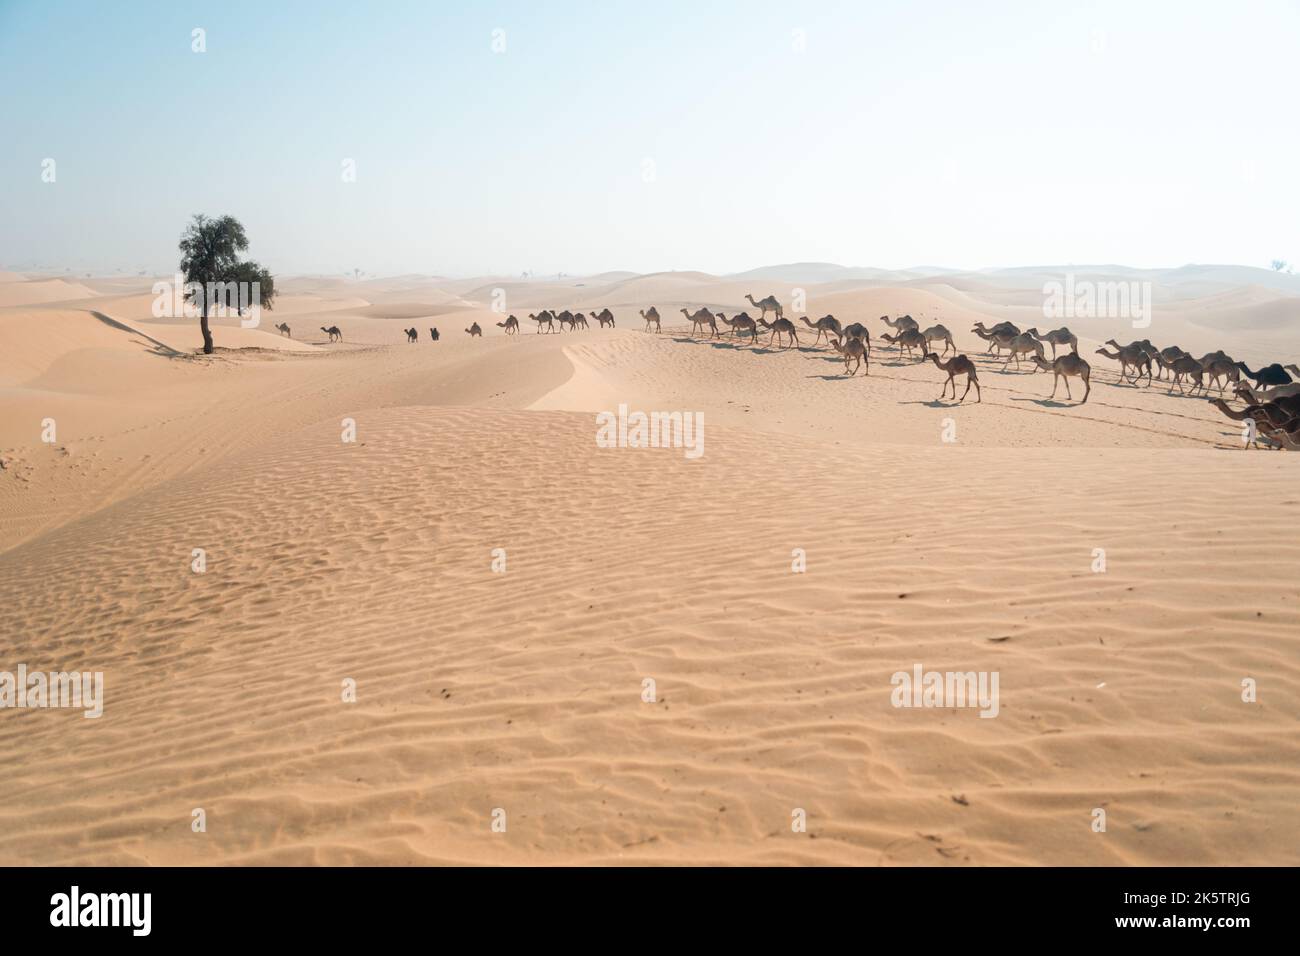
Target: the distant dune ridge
(1125, 568)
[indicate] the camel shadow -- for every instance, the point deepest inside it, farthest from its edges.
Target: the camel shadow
(934, 403)
(1048, 402)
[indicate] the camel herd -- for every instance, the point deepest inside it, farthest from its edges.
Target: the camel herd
(1272, 402)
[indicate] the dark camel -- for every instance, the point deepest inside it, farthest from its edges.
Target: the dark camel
(651, 318)
(333, 332)
(511, 325)
(474, 330)
(411, 336)
(544, 320)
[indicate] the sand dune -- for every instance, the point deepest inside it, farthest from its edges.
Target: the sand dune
(523, 691)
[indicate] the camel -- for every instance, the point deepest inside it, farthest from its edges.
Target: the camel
(1024, 342)
(546, 319)
(1225, 369)
(604, 317)
(995, 335)
(742, 323)
(857, 330)
(1061, 336)
(957, 365)
(1183, 365)
(997, 338)
(1264, 377)
(1164, 358)
(1287, 437)
(941, 334)
(651, 318)
(826, 325)
(1257, 396)
(1270, 416)
(474, 330)
(1134, 357)
(779, 327)
(900, 324)
(1070, 365)
(565, 318)
(411, 335)
(333, 332)
(283, 329)
(511, 325)
(907, 339)
(580, 321)
(700, 319)
(433, 335)
(767, 305)
(852, 349)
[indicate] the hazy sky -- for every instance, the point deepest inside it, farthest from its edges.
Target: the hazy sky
(650, 136)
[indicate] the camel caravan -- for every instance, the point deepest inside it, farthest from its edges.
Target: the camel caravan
(1270, 395)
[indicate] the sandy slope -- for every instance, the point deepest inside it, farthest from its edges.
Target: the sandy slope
(523, 691)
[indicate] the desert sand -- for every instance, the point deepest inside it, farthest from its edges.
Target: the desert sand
(476, 691)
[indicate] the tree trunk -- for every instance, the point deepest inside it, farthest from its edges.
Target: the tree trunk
(207, 332)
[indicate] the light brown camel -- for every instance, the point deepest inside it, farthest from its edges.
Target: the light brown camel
(1225, 369)
(740, 324)
(852, 349)
(474, 330)
(997, 336)
(957, 365)
(909, 339)
(700, 319)
(411, 336)
(827, 325)
(1070, 365)
(1165, 357)
(1061, 336)
(998, 339)
(1184, 366)
(1135, 357)
(939, 333)
(901, 323)
(779, 327)
(511, 325)
(283, 329)
(1024, 343)
(604, 317)
(333, 332)
(651, 318)
(857, 330)
(1257, 396)
(767, 305)
(544, 320)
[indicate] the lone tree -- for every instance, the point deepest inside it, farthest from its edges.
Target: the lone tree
(210, 261)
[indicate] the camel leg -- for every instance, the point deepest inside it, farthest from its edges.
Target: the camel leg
(1087, 389)
(1056, 380)
(1068, 396)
